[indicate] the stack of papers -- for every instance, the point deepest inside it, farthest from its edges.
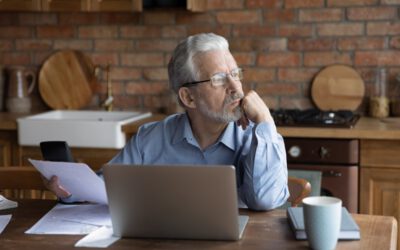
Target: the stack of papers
(6, 203)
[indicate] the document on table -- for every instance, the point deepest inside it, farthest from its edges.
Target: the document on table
(4, 220)
(72, 219)
(78, 178)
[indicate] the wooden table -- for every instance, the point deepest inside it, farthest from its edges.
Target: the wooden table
(265, 230)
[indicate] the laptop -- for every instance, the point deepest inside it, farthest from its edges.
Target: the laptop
(174, 201)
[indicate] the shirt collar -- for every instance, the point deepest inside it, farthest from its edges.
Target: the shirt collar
(184, 131)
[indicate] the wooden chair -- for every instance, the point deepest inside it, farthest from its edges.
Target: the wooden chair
(299, 188)
(22, 183)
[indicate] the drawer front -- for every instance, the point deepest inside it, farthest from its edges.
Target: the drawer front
(380, 153)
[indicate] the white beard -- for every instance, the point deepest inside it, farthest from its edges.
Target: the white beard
(225, 115)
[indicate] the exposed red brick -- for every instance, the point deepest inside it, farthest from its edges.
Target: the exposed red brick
(375, 58)
(125, 73)
(140, 31)
(263, 44)
(264, 3)
(159, 17)
(73, 44)
(174, 31)
(343, 3)
(156, 45)
(395, 42)
(320, 15)
(326, 58)
(112, 18)
(239, 17)
(146, 88)
(389, 2)
(377, 13)
(190, 18)
(341, 29)
(8, 18)
(297, 74)
(224, 4)
(258, 75)
(303, 3)
(117, 88)
(113, 45)
(243, 58)
(280, 15)
(223, 30)
(142, 59)
(104, 58)
(361, 43)
(128, 102)
(310, 44)
(254, 30)
(6, 45)
(98, 32)
(14, 58)
(281, 89)
(28, 18)
(78, 18)
(15, 32)
(39, 56)
(55, 31)
(383, 28)
(33, 44)
(156, 74)
(278, 59)
(293, 30)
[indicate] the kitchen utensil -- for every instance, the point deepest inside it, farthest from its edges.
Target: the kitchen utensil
(338, 87)
(21, 82)
(66, 80)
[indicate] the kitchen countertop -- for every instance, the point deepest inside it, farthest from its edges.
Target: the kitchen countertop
(365, 128)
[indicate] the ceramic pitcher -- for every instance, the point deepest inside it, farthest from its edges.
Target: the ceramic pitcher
(21, 82)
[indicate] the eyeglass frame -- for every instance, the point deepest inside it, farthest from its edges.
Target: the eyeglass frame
(239, 71)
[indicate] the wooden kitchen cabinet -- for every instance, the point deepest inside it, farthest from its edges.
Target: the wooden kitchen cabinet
(20, 5)
(65, 5)
(380, 178)
(8, 148)
(116, 5)
(88, 5)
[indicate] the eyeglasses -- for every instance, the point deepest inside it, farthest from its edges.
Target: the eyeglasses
(219, 79)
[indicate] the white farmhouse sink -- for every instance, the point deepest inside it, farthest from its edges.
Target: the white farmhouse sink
(82, 128)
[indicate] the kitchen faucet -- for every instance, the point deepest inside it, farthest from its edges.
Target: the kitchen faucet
(108, 103)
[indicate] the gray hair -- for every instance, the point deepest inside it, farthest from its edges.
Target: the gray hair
(181, 67)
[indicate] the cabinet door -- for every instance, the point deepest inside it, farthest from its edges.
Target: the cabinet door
(380, 193)
(20, 5)
(65, 5)
(116, 5)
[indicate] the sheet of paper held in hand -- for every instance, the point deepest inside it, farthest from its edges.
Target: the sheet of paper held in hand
(78, 178)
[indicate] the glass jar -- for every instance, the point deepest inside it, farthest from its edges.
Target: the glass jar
(379, 102)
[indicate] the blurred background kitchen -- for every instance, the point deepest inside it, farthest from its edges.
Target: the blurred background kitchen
(281, 44)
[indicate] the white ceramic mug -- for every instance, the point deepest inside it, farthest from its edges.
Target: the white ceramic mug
(322, 219)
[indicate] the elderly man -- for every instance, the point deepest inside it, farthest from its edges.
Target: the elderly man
(221, 125)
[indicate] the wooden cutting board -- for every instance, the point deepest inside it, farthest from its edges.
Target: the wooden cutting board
(338, 87)
(66, 80)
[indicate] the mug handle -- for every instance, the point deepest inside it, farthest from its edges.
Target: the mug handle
(32, 74)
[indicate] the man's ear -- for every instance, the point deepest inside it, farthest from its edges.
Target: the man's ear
(186, 97)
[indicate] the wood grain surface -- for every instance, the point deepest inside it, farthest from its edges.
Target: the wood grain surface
(338, 87)
(66, 80)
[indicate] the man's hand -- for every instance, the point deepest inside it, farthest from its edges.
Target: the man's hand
(54, 186)
(254, 109)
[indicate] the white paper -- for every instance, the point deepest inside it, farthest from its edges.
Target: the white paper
(102, 237)
(6, 203)
(78, 178)
(4, 220)
(72, 220)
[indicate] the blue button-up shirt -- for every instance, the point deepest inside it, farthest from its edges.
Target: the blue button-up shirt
(258, 153)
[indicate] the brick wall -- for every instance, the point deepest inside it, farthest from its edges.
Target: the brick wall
(281, 44)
